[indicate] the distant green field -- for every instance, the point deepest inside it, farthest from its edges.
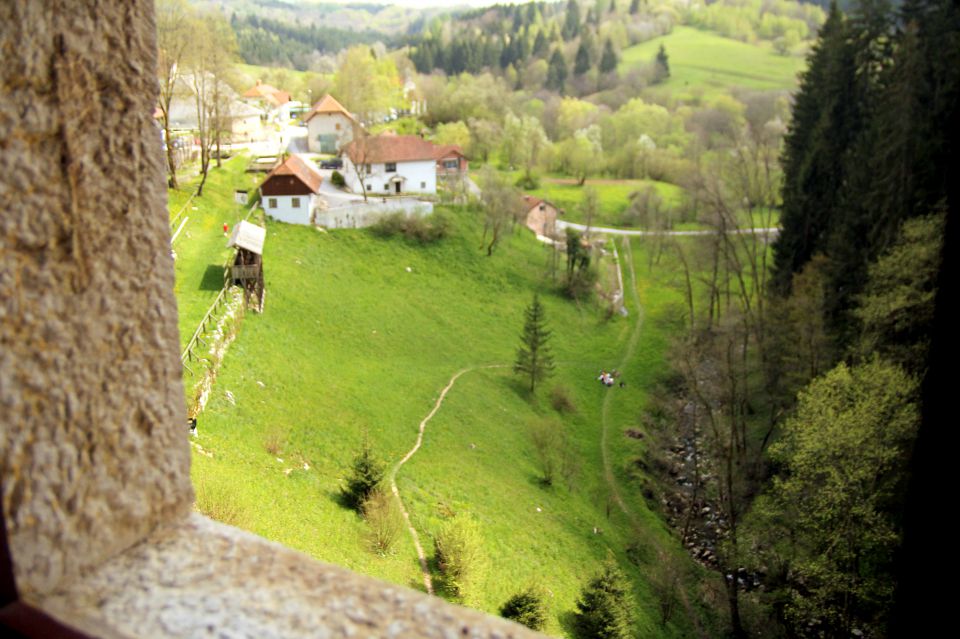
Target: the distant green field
(613, 196)
(358, 336)
(701, 60)
(291, 80)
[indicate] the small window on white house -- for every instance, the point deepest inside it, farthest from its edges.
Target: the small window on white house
(386, 187)
(367, 168)
(390, 167)
(295, 203)
(338, 126)
(423, 186)
(369, 187)
(272, 203)
(451, 164)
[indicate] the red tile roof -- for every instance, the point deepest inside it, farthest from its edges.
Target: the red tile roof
(299, 169)
(530, 201)
(267, 92)
(446, 150)
(397, 148)
(328, 104)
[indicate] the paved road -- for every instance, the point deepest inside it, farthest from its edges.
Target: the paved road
(561, 224)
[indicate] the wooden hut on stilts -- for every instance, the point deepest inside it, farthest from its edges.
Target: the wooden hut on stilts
(247, 269)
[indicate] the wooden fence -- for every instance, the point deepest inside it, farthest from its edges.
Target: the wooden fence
(211, 317)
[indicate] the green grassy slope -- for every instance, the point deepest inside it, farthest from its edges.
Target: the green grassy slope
(352, 344)
(713, 63)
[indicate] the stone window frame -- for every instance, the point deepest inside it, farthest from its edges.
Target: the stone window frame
(75, 560)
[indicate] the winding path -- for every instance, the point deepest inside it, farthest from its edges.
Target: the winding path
(608, 473)
(421, 556)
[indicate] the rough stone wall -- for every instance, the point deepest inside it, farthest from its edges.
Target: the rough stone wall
(89, 375)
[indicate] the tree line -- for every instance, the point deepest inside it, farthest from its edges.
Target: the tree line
(799, 376)
(268, 42)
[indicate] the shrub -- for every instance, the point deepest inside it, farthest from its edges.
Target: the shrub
(528, 182)
(337, 179)
(605, 607)
(561, 400)
(273, 441)
(383, 516)
(366, 474)
(526, 608)
(459, 555)
(554, 451)
(421, 229)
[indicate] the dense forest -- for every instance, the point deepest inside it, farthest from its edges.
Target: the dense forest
(270, 42)
(813, 495)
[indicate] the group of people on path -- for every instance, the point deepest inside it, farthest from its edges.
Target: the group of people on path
(608, 379)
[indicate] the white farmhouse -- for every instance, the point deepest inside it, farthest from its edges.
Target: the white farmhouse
(291, 192)
(395, 164)
(329, 126)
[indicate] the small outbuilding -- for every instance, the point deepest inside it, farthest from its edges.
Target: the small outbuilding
(291, 191)
(247, 269)
(540, 216)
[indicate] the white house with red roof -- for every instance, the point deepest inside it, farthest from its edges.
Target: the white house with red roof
(274, 103)
(330, 126)
(397, 164)
(291, 192)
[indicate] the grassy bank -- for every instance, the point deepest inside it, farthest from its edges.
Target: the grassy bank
(358, 337)
(706, 64)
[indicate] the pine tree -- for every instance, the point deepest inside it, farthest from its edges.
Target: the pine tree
(557, 72)
(366, 475)
(533, 356)
(635, 7)
(605, 608)
(540, 45)
(609, 60)
(662, 65)
(582, 62)
(826, 122)
(526, 608)
(571, 23)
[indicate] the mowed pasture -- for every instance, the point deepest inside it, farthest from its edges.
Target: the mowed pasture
(359, 335)
(708, 64)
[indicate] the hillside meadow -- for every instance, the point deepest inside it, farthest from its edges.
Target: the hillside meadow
(359, 335)
(704, 64)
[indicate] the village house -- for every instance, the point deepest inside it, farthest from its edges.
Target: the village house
(540, 216)
(274, 104)
(395, 164)
(329, 126)
(291, 192)
(241, 122)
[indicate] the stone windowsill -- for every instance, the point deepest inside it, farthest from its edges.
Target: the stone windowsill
(200, 578)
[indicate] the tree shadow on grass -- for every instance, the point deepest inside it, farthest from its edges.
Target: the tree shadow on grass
(342, 499)
(212, 278)
(567, 621)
